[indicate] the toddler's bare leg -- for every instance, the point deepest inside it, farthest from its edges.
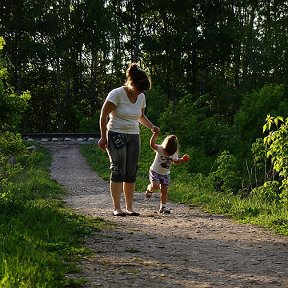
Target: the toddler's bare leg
(164, 195)
(153, 186)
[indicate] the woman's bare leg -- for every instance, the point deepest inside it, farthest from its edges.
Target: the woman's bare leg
(116, 190)
(129, 189)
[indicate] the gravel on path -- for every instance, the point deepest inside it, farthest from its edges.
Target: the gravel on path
(187, 248)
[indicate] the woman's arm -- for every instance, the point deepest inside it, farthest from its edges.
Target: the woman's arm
(107, 108)
(147, 123)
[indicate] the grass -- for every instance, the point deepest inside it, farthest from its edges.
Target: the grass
(41, 239)
(196, 190)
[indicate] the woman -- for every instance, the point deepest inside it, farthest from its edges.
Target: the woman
(125, 107)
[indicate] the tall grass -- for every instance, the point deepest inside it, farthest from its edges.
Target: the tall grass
(197, 190)
(40, 239)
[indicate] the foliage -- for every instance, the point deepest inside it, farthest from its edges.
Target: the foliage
(277, 150)
(11, 104)
(156, 103)
(89, 124)
(72, 53)
(259, 154)
(225, 176)
(199, 131)
(256, 105)
(250, 153)
(40, 239)
(261, 170)
(12, 150)
(269, 191)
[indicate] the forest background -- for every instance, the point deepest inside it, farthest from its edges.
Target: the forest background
(219, 72)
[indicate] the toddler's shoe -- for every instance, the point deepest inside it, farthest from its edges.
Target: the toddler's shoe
(164, 210)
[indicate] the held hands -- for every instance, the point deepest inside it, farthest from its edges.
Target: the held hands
(155, 130)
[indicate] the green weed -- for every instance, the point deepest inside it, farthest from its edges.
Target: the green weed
(199, 190)
(41, 239)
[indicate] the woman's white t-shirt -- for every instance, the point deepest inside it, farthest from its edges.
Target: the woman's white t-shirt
(124, 119)
(162, 163)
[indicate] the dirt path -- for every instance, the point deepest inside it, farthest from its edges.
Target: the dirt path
(185, 249)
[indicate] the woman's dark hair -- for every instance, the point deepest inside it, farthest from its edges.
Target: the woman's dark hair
(137, 77)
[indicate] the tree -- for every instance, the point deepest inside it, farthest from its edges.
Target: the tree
(72, 52)
(11, 104)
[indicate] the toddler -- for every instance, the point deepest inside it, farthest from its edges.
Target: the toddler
(159, 173)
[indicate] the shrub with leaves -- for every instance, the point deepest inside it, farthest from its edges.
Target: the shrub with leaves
(192, 120)
(226, 177)
(12, 149)
(277, 150)
(255, 107)
(262, 169)
(11, 104)
(269, 192)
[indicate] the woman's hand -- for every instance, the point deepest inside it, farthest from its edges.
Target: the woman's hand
(102, 143)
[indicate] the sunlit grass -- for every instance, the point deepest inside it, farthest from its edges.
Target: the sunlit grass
(40, 238)
(196, 190)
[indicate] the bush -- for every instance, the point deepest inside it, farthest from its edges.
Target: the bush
(226, 177)
(156, 104)
(268, 192)
(11, 104)
(12, 149)
(256, 105)
(277, 150)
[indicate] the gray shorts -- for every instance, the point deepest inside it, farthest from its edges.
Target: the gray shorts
(123, 151)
